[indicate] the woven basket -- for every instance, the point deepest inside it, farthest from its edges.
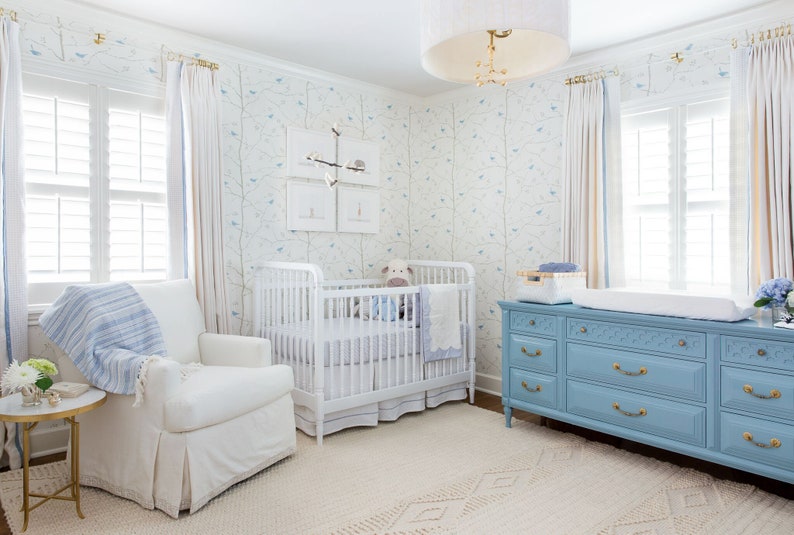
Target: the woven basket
(548, 288)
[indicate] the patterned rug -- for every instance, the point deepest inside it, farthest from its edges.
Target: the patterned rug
(453, 469)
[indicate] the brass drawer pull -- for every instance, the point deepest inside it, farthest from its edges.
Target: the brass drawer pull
(616, 366)
(537, 353)
(773, 443)
(532, 322)
(583, 330)
(682, 343)
(537, 388)
(616, 406)
(761, 352)
(773, 394)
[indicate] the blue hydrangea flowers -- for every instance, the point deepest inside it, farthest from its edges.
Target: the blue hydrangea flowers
(773, 292)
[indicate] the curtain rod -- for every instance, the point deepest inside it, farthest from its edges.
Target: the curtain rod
(591, 76)
(780, 31)
(193, 61)
(11, 13)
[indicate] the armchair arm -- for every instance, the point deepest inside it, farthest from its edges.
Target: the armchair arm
(234, 350)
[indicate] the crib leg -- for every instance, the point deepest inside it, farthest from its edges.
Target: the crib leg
(318, 428)
(471, 395)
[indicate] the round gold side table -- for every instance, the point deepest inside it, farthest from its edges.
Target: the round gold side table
(11, 410)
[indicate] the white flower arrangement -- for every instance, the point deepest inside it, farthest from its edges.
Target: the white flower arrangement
(23, 377)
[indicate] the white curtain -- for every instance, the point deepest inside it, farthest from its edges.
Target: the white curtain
(738, 220)
(13, 286)
(195, 187)
(770, 87)
(591, 202)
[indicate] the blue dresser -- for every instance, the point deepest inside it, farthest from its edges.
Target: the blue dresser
(723, 392)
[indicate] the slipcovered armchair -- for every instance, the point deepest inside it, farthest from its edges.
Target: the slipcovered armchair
(198, 429)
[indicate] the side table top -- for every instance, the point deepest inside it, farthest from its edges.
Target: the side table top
(11, 409)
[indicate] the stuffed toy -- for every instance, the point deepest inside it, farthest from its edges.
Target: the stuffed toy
(389, 308)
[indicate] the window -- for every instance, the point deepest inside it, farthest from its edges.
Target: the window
(676, 196)
(95, 185)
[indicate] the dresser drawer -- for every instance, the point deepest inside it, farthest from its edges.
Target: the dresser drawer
(649, 373)
(533, 353)
(758, 352)
(759, 440)
(668, 419)
(757, 391)
(529, 322)
(674, 341)
(533, 388)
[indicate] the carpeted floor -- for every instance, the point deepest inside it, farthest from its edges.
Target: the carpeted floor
(453, 469)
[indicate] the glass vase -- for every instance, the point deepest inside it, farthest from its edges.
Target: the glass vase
(779, 312)
(31, 396)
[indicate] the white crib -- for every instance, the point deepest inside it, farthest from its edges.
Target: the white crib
(352, 371)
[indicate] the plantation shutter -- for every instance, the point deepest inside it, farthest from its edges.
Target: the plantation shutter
(95, 185)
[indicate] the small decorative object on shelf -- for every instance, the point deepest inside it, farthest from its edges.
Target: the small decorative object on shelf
(31, 379)
(776, 294)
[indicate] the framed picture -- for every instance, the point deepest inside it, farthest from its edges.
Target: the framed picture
(300, 142)
(310, 207)
(366, 151)
(359, 210)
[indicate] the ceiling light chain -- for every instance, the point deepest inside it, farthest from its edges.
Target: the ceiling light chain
(489, 77)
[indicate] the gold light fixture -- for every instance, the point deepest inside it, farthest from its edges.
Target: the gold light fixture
(532, 39)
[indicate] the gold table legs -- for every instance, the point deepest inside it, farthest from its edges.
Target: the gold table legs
(74, 472)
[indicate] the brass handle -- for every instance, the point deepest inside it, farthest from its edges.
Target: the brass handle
(537, 353)
(616, 406)
(774, 393)
(773, 443)
(616, 366)
(761, 352)
(537, 388)
(532, 322)
(682, 343)
(583, 330)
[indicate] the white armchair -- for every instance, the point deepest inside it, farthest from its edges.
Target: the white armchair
(194, 436)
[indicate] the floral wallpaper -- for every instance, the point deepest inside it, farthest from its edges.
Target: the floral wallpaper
(470, 176)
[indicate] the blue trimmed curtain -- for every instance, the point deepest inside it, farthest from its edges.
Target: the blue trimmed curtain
(13, 287)
(591, 201)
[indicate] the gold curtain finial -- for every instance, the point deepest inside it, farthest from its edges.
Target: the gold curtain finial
(678, 57)
(99, 38)
(591, 76)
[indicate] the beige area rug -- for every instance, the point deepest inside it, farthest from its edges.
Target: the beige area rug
(453, 469)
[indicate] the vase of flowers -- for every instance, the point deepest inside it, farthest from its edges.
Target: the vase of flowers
(31, 379)
(776, 294)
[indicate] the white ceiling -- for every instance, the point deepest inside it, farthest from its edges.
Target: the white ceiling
(377, 41)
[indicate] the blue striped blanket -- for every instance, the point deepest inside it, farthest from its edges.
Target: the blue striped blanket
(107, 330)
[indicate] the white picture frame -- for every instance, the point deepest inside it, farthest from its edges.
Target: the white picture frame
(300, 142)
(358, 210)
(310, 207)
(366, 151)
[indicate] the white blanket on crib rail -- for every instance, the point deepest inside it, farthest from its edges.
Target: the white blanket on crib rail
(441, 332)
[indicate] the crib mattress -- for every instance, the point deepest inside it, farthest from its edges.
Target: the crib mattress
(346, 341)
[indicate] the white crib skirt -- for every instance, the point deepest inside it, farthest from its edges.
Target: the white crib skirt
(306, 420)
(437, 396)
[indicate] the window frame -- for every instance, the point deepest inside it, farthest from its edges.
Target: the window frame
(99, 190)
(676, 105)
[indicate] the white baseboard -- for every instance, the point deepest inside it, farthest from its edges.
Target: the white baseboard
(490, 384)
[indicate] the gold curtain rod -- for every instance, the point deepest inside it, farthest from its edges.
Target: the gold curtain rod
(783, 30)
(193, 61)
(11, 13)
(591, 76)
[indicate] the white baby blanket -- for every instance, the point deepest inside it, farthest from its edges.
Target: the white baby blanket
(441, 332)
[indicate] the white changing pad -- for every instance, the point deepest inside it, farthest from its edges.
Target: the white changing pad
(680, 305)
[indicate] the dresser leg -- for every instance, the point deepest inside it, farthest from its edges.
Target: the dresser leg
(508, 416)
